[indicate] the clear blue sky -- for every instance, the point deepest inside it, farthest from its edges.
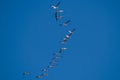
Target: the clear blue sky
(29, 35)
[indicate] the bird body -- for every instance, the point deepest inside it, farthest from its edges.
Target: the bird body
(26, 73)
(66, 23)
(57, 15)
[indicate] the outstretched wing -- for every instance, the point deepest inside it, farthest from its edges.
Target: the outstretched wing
(57, 5)
(56, 15)
(67, 22)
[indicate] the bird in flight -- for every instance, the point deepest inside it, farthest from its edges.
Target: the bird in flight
(57, 54)
(63, 49)
(26, 73)
(56, 6)
(66, 23)
(60, 11)
(71, 32)
(44, 70)
(42, 75)
(51, 66)
(67, 37)
(64, 40)
(57, 15)
(53, 62)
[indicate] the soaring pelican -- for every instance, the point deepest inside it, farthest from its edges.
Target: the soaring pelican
(58, 16)
(26, 73)
(65, 23)
(56, 6)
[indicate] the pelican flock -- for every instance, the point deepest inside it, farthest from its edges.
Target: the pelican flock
(57, 55)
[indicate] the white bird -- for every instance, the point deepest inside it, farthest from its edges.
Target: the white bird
(44, 70)
(67, 36)
(53, 62)
(55, 59)
(64, 41)
(57, 16)
(60, 11)
(71, 32)
(26, 73)
(65, 23)
(63, 49)
(56, 6)
(57, 54)
(51, 66)
(40, 76)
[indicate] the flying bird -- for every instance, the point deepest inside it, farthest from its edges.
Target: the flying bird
(44, 70)
(56, 58)
(26, 73)
(63, 49)
(65, 23)
(64, 41)
(57, 54)
(51, 66)
(58, 16)
(53, 62)
(67, 37)
(60, 11)
(42, 75)
(56, 6)
(71, 32)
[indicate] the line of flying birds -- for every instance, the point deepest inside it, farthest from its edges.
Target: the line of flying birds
(58, 54)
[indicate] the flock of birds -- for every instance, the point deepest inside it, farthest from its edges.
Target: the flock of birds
(58, 54)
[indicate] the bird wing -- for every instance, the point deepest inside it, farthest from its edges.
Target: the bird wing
(56, 15)
(67, 21)
(57, 5)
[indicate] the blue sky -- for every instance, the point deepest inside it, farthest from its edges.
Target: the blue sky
(30, 34)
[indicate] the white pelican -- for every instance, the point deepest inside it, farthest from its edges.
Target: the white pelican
(56, 6)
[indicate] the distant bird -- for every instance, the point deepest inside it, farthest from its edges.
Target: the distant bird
(40, 76)
(56, 6)
(64, 41)
(65, 23)
(58, 16)
(44, 70)
(71, 32)
(57, 54)
(67, 37)
(56, 58)
(51, 66)
(60, 11)
(26, 73)
(63, 49)
(53, 62)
